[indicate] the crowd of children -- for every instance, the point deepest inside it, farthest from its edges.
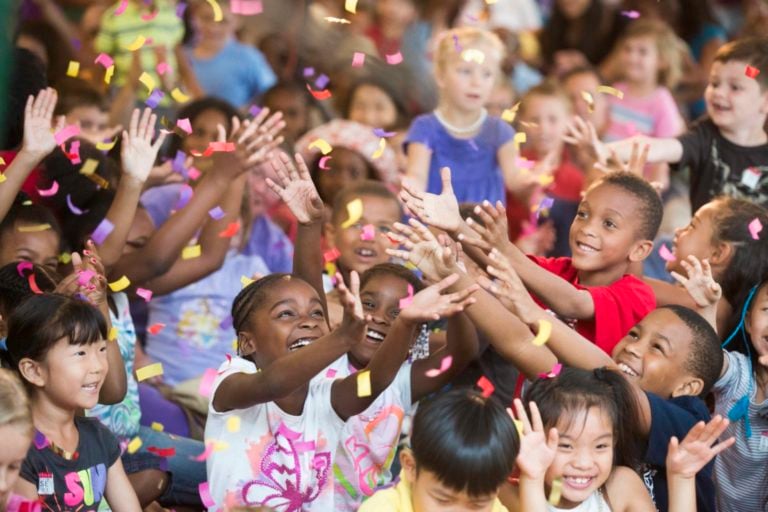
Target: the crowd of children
(388, 255)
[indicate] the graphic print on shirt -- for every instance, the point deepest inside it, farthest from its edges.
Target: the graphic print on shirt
(84, 488)
(199, 323)
(750, 183)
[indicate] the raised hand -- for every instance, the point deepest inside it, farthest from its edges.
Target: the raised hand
(354, 317)
(583, 136)
(432, 303)
(697, 449)
(138, 154)
(296, 189)
(261, 136)
(636, 164)
(509, 288)
(39, 138)
(699, 284)
(87, 279)
(423, 250)
(440, 211)
(537, 448)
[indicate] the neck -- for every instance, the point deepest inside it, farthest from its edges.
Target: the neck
(57, 423)
(642, 88)
(211, 46)
(747, 136)
(461, 123)
(294, 403)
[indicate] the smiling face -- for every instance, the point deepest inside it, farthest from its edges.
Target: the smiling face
(466, 84)
(640, 59)
(16, 441)
(39, 247)
(584, 458)
(290, 318)
(372, 106)
(93, 121)
(756, 322)
(547, 119)
(734, 101)
(695, 239)
(204, 130)
(655, 352)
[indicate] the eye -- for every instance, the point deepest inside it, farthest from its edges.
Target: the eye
(368, 304)
(318, 313)
(658, 347)
(287, 313)
(564, 446)
(384, 229)
(394, 313)
(603, 446)
(633, 335)
(609, 224)
(80, 353)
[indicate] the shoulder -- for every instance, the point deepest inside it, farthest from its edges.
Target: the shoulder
(382, 501)
(625, 488)
(632, 285)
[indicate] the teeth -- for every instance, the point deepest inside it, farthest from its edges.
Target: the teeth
(585, 248)
(375, 335)
(579, 480)
(303, 342)
(365, 252)
(626, 369)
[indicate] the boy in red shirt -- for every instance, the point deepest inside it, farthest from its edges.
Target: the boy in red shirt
(592, 291)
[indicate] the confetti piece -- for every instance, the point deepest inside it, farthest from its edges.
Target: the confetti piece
(136, 43)
(74, 209)
(184, 125)
(755, 227)
(444, 365)
(66, 133)
(330, 374)
(104, 59)
(233, 424)
(162, 452)
(216, 213)
(486, 386)
(524, 163)
(108, 74)
(666, 254)
(555, 492)
(148, 81)
(331, 255)
(322, 164)
(65, 258)
(245, 281)
(751, 71)
(231, 230)
(223, 147)
(554, 372)
(149, 371)
(587, 97)
(156, 328)
(162, 68)
(154, 99)
(33, 229)
(407, 300)
(308, 72)
(134, 445)
(509, 114)
(247, 7)
(149, 16)
(178, 96)
(217, 14)
(380, 132)
(205, 495)
(106, 145)
(358, 59)
(40, 440)
(519, 138)
(194, 173)
(350, 6)
(51, 191)
(518, 424)
(209, 449)
(157, 427)
(185, 194)
(333, 19)
(102, 231)
(206, 382)
(112, 335)
(368, 233)
(121, 8)
(322, 81)
(84, 276)
(191, 252)
(364, 383)
(73, 69)
(144, 294)
(354, 212)
(22, 266)
(379, 150)
(456, 44)
(322, 145)
(607, 89)
(319, 95)
(545, 330)
(120, 285)
(633, 15)
(473, 54)
(394, 58)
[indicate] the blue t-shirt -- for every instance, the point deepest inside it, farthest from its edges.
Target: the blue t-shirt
(270, 242)
(475, 170)
(674, 417)
(236, 74)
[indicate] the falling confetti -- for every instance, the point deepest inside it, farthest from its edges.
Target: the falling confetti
(73, 69)
(666, 254)
(120, 285)
(394, 58)
(354, 212)
(217, 14)
(755, 227)
(322, 145)
(751, 71)
(473, 54)
(486, 385)
(446, 363)
(358, 59)
(364, 383)
(545, 331)
(191, 252)
(136, 43)
(149, 371)
(407, 300)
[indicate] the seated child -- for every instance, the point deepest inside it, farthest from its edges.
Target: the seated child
(463, 448)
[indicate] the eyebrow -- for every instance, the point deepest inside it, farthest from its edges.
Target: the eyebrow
(617, 212)
(663, 338)
(293, 302)
(566, 436)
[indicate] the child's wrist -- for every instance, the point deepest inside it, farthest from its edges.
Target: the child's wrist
(29, 158)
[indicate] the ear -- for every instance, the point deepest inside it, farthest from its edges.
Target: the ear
(408, 463)
(33, 372)
(329, 230)
(439, 76)
(721, 254)
(245, 344)
(640, 250)
(691, 386)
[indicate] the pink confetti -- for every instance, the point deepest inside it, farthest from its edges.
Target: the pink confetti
(194, 173)
(48, 192)
(149, 16)
(358, 59)
(121, 8)
(331, 373)
(84, 276)
(216, 213)
(226, 147)
(323, 163)
(104, 59)
(144, 294)
(666, 254)
(66, 133)
(184, 124)
(633, 15)
(206, 383)
(406, 301)
(102, 231)
(755, 227)
(74, 209)
(155, 329)
(444, 365)
(369, 232)
(554, 372)
(74, 153)
(486, 385)
(247, 7)
(162, 68)
(331, 255)
(205, 495)
(22, 266)
(394, 58)
(524, 163)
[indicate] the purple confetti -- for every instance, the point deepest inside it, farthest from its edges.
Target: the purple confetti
(154, 99)
(216, 213)
(102, 231)
(456, 44)
(178, 163)
(74, 209)
(473, 144)
(380, 132)
(308, 72)
(633, 15)
(226, 323)
(76, 44)
(40, 440)
(254, 110)
(180, 9)
(322, 81)
(185, 194)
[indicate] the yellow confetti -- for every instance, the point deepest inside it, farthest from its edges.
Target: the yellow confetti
(473, 54)
(191, 252)
(607, 89)
(546, 180)
(509, 114)
(148, 81)
(33, 229)
(2, 178)
(135, 44)
(364, 383)
(322, 145)
(354, 212)
(106, 146)
(555, 492)
(112, 336)
(73, 69)
(245, 281)
(234, 344)
(134, 445)
(379, 150)
(89, 167)
(589, 99)
(120, 285)
(332, 19)
(65, 258)
(518, 426)
(518, 139)
(157, 426)
(217, 14)
(2, 161)
(350, 6)
(149, 371)
(545, 331)
(330, 268)
(233, 424)
(178, 96)
(108, 74)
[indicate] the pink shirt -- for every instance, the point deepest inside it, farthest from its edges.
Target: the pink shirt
(655, 115)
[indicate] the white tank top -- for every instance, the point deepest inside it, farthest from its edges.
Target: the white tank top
(595, 503)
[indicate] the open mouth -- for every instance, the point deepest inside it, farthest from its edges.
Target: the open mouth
(92, 387)
(627, 370)
(300, 343)
(585, 247)
(366, 252)
(578, 482)
(374, 336)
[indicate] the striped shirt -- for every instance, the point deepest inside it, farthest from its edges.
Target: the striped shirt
(741, 472)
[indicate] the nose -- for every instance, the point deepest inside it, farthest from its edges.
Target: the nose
(308, 322)
(582, 459)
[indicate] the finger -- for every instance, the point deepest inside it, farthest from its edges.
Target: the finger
(522, 416)
(407, 232)
(237, 126)
(633, 155)
(133, 125)
(221, 133)
(482, 212)
(446, 282)
(261, 116)
(159, 142)
(475, 242)
(399, 253)
(145, 130)
(77, 261)
(445, 177)
(282, 176)
(491, 210)
(723, 445)
(477, 228)
(706, 268)
(422, 230)
(277, 189)
(302, 166)
(538, 425)
(679, 278)
(293, 174)
(29, 107)
(354, 283)
(405, 242)
(409, 187)
(696, 264)
(674, 443)
(644, 155)
(553, 437)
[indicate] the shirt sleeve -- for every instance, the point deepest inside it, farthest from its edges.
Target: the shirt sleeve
(235, 365)
(420, 131)
(28, 471)
(671, 418)
(261, 76)
(504, 132)
(668, 122)
(107, 440)
(694, 142)
(729, 386)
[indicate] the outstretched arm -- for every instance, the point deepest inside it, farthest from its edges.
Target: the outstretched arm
(538, 449)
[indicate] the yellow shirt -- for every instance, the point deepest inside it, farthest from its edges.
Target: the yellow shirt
(398, 499)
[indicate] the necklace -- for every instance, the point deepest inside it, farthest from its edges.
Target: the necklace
(464, 129)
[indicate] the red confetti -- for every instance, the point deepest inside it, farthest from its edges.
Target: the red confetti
(331, 255)
(162, 452)
(751, 71)
(156, 328)
(33, 284)
(319, 95)
(231, 230)
(486, 386)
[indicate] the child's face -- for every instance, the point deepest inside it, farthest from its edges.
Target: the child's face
(92, 120)
(654, 353)
(372, 106)
(695, 238)
(640, 59)
(547, 119)
(734, 101)
(295, 113)
(205, 24)
(466, 84)
(15, 443)
(597, 110)
(584, 458)
(344, 168)
(429, 494)
(358, 254)
(604, 232)
(501, 98)
(381, 299)
(572, 9)
(39, 247)
(289, 319)
(757, 321)
(204, 130)
(396, 12)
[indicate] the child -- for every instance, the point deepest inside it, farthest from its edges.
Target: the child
(87, 108)
(377, 103)
(30, 233)
(728, 151)
(593, 106)
(459, 133)
(293, 101)
(463, 448)
(224, 67)
(16, 432)
(614, 226)
(58, 345)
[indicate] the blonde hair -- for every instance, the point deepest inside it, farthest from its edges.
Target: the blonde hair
(671, 48)
(456, 41)
(547, 89)
(14, 404)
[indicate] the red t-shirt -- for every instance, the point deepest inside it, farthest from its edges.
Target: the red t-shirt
(618, 306)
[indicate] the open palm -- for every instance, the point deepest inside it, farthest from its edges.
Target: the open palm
(295, 188)
(138, 154)
(422, 249)
(433, 303)
(441, 211)
(39, 139)
(537, 447)
(688, 457)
